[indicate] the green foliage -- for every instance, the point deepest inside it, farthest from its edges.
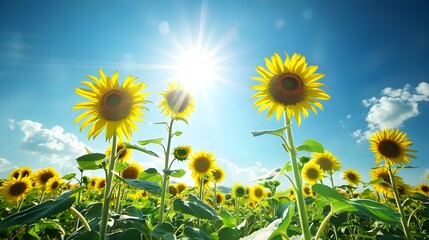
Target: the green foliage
(311, 145)
(276, 132)
(142, 184)
(195, 207)
(90, 161)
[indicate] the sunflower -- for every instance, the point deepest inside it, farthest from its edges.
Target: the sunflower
(220, 198)
(110, 105)
(42, 176)
(218, 175)
(15, 173)
(201, 164)
(384, 187)
(206, 183)
(125, 153)
(306, 189)
(311, 172)
(181, 153)
(238, 190)
(177, 102)
(132, 171)
(181, 186)
(392, 146)
(92, 183)
(427, 176)
(352, 177)
(327, 161)
(101, 182)
(404, 189)
(288, 86)
(257, 193)
(53, 184)
(15, 189)
(25, 172)
(423, 189)
(292, 196)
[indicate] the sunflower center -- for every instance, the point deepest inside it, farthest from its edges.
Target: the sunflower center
(123, 153)
(219, 198)
(287, 88)
(389, 148)
(401, 190)
(115, 105)
(306, 191)
(351, 177)
(45, 177)
(25, 173)
(18, 188)
(239, 192)
(425, 189)
(258, 193)
(130, 172)
(15, 175)
(312, 173)
(55, 185)
(180, 188)
(101, 184)
(217, 175)
(172, 190)
(325, 164)
(202, 165)
(178, 100)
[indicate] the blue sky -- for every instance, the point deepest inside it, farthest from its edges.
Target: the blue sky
(374, 55)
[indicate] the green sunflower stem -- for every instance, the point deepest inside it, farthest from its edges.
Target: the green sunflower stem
(166, 175)
(81, 218)
(298, 181)
(398, 203)
(215, 197)
(107, 190)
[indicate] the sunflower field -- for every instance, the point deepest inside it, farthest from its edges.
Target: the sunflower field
(130, 202)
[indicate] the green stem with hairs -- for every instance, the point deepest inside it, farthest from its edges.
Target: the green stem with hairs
(323, 225)
(107, 190)
(298, 181)
(81, 218)
(398, 203)
(166, 174)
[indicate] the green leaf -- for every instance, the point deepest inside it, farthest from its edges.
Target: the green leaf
(162, 229)
(286, 168)
(193, 206)
(135, 147)
(176, 173)
(120, 166)
(155, 141)
(151, 175)
(196, 233)
(284, 225)
(311, 145)
(229, 233)
(163, 123)
(32, 214)
(264, 233)
(376, 181)
(227, 219)
(277, 132)
(69, 176)
(182, 119)
(337, 200)
(127, 234)
(177, 133)
(86, 236)
(141, 184)
(90, 161)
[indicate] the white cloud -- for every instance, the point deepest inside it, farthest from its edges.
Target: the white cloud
(392, 109)
(11, 124)
(280, 23)
(349, 116)
(4, 165)
(244, 175)
(53, 145)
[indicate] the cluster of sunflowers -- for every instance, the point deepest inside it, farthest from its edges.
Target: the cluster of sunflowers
(130, 202)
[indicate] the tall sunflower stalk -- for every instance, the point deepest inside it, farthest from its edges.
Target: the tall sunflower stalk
(290, 88)
(391, 145)
(115, 108)
(177, 103)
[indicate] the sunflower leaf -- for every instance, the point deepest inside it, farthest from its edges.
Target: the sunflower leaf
(195, 207)
(178, 173)
(90, 161)
(177, 133)
(155, 141)
(182, 119)
(311, 145)
(277, 132)
(286, 168)
(120, 166)
(162, 229)
(141, 184)
(69, 176)
(151, 175)
(149, 152)
(196, 233)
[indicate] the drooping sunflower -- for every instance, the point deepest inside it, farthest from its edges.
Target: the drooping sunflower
(177, 101)
(181, 186)
(352, 177)
(404, 189)
(257, 193)
(311, 172)
(290, 86)
(238, 190)
(327, 161)
(111, 106)
(172, 189)
(218, 175)
(132, 171)
(53, 184)
(15, 189)
(42, 176)
(423, 189)
(220, 198)
(392, 146)
(124, 152)
(384, 187)
(101, 183)
(202, 164)
(181, 153)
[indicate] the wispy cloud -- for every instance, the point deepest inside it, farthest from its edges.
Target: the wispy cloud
(53, 145)
(244, 175)
(392, 109)
(11, 124)
(280, 23)
(4, 165)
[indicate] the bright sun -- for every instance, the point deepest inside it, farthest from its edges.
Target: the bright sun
(196, 68)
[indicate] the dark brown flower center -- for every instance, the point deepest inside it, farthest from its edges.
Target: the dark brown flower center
(181, 154)
(389, 148)
(25, 173)
(401, 190)
(180, 188)
(240, 192)
(44, 178)
(351, 177)
(123, 153)
(202, 164)
(55, 185)
(130, 172)
(219, 198)
(178, 100)
(15, 175)
(172, 190)
(217, 174)
(258, 193)
(115, 105)
(325, 164)
(102, 183)
(17, 188)
(306, 190)
(425, 189)
(287, 88)
(312, 173)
